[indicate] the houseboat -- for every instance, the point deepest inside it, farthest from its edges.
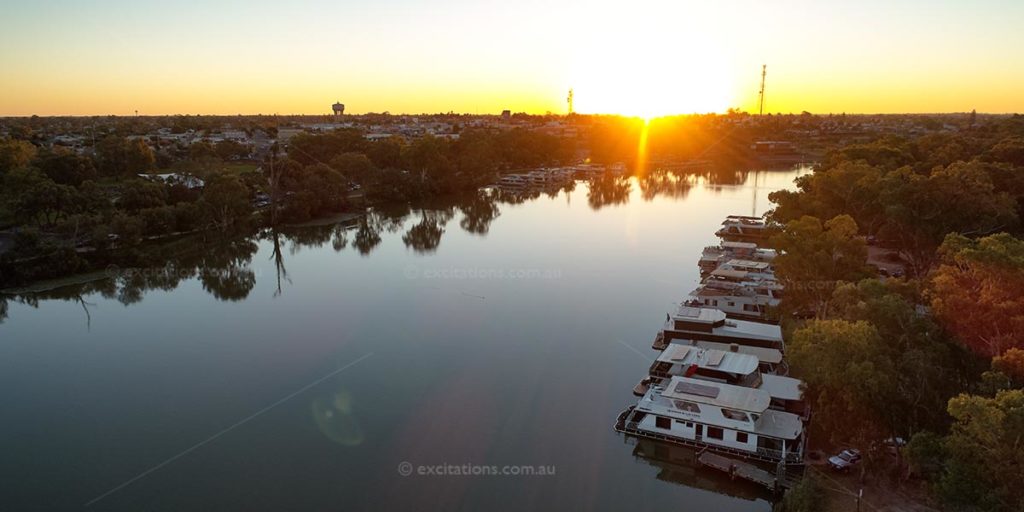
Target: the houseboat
(715, 255)
(727, 367)
(747, 300)
(711, 324)
(769, 359)
(743, 229)
(721, 417)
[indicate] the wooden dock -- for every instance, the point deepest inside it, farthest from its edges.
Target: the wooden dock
(739, 469)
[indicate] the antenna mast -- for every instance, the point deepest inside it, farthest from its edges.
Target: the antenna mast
(760, 94)
(569, 100)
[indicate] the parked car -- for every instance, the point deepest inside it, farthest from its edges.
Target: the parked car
(894, 444)
(845, 460)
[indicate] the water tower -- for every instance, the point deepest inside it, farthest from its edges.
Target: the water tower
(339, 108)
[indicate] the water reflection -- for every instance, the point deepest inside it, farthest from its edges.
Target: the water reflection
(678, 465)
(222, 266)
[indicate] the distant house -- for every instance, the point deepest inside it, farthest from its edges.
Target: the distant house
(173, 178)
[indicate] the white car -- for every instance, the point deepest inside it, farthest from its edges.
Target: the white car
(845, 460)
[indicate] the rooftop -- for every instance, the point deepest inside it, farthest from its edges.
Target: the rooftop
(783, 425)
(722, 360)
(765, 355)
(712, 393)
(739, 245)
(783, 388)
(702, 315)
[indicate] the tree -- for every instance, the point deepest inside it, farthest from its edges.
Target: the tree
(231, 150)
(315, 190)
(226, 199)
(355, 167)
(118, 156)
(852, 188)
(1006, 372)
(976, 292)
(922, 210)
(15, 154)
(138, 194)
(65, 167)
(814, 259)
(929, 367)
(849, 378)
(33, 197)
(1009, 150)
(985, 468)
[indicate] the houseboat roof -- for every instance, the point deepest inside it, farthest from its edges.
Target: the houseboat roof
(738, 245)
(730, 327)
(721, 395)
(779, 424)
(701, 315)
(783, 388)
(742, 218)
(765, 355)
(761, 265)
(730, 274)
(721, 360)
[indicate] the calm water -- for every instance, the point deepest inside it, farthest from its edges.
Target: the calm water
(483, 332)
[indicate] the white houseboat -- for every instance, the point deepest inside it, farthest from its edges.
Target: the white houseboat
(727, 367)
(769, 359)
(722, 417)
(715, 255)
(748, 300)
(742, 228)
(710, 324)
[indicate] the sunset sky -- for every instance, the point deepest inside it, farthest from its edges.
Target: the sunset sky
(637, 58)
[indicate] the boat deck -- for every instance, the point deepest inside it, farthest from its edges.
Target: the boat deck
(739, 469)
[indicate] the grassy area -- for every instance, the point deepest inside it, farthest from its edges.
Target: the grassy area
(202, 168)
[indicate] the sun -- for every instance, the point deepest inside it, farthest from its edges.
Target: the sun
(651, 76)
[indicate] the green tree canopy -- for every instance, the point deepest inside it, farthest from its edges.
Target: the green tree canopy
(815, 258)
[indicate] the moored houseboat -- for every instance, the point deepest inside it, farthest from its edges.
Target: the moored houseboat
(746, 300)
(710, 324)
(722, 417)
(724, 366)
(743, 228)
(715, 255)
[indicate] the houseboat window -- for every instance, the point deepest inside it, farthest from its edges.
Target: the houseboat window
(685, 406)
(750, 307)
(732, 304)
(741, 437)
(662, 422)
(689, 424)
(735, 415)
(715, 433)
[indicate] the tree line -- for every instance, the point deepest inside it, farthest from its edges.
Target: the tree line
(936, 358)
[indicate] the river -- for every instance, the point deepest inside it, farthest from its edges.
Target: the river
(310, 369)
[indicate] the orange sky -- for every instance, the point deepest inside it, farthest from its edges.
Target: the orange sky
(639, 58)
